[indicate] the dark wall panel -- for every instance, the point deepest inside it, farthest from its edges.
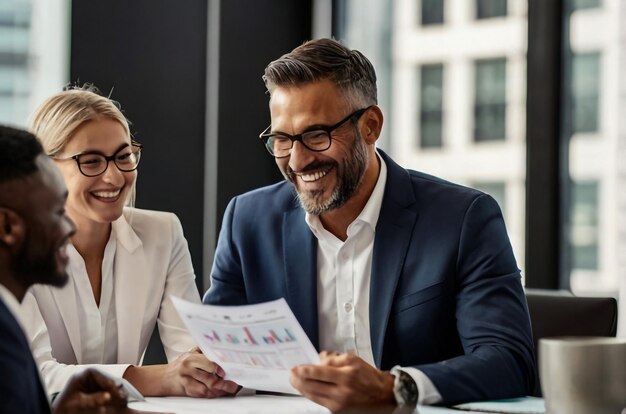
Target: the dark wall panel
(152, 55)
(252, 33)
(545, 153)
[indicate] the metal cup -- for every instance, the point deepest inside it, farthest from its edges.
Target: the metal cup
(583, 375)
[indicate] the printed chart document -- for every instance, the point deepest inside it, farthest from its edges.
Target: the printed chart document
(257, 345)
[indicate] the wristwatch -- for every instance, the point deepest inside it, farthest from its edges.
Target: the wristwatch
(404, 387)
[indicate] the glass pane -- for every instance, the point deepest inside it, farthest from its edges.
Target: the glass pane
(584, 4)
(585, 91)
(33, 55)
(486, 9)
(490, 100)
(427, 83)
(431, 105)
(594, 110)
(432, 11)
(584, 232)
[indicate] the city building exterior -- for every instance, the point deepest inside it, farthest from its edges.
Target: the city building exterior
(455, 98)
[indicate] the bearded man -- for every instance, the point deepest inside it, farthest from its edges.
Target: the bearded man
(407, 283)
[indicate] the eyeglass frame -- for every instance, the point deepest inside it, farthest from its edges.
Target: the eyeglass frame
(107, 158)
(265, 137)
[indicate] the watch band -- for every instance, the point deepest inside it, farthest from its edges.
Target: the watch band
(404, 387)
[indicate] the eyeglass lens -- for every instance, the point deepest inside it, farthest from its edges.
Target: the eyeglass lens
(96, 164)
(313, 140)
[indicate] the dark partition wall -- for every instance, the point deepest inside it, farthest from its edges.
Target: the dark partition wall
(546, 154)
(151, 56)
(252, 33)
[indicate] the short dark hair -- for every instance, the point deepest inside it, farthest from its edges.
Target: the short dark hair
(18, 151)
(322, 59)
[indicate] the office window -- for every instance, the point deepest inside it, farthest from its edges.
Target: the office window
(490, 100)
(585, 92)
(432, 12)
(14, 60)
(34, 50)
(431, 105)
(486, 9)
(584, 226)
(427, 132)
(584, 4)
(496, 189)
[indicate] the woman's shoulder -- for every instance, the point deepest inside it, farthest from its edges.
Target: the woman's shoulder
(150, 220)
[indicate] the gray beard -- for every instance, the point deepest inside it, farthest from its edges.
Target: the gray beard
(350, 177)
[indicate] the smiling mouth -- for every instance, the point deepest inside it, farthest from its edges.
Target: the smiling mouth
(107, 194)
(309, 177)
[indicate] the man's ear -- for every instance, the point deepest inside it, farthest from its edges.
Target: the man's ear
(12, 228)
(373, 124)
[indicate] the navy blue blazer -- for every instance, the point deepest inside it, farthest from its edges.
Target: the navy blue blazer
(20, 387)
(445, 292)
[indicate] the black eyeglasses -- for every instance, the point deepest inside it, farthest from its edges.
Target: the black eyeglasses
(279, 144)
(92, 164)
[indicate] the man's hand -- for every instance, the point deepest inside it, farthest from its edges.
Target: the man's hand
(342, 381)
(89, 389)
(191, 374)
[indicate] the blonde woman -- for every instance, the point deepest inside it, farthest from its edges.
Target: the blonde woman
(124, 263)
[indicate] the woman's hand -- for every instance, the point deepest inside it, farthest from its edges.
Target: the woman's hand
(191, 374)
(194, 375)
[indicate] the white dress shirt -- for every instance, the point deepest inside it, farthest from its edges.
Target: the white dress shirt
(343, 286)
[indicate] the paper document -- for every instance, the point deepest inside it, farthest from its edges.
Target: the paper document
(257, 345)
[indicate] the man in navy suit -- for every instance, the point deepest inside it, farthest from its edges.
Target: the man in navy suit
(407, 283)
(34, 232)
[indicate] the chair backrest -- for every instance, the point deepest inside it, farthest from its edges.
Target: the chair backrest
(559, 313)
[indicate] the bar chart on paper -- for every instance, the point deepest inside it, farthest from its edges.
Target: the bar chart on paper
(271, 345)
(252, 343)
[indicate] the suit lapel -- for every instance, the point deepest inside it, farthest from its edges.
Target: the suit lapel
(66, 304)
(300, 255)
(393, 234)
(131, 291)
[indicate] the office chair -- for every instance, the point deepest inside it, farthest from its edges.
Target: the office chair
(559, 313)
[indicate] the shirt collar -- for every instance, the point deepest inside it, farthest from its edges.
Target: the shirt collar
(370, 212)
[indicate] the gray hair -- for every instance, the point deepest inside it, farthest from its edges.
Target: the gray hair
(321, 59)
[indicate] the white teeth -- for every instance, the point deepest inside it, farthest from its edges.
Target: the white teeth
(313, 177)
(106, 194)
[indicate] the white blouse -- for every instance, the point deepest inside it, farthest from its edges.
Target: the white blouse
(99, 323)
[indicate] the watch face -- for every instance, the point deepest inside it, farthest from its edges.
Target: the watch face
(405, 388)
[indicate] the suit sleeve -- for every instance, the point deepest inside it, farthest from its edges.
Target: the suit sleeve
(180, 283)
(19, 381)
(227, 284)
(491, 314)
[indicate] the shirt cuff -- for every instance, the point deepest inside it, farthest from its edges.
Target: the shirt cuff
(427, 392)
